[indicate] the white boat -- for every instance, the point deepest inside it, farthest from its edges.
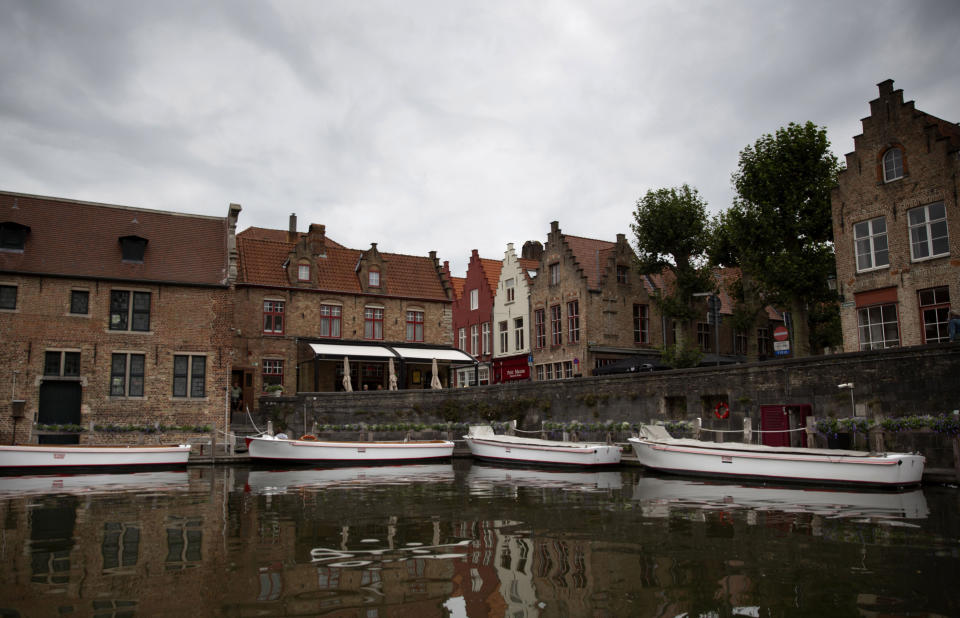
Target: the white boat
(274, 482)
(656, 449)
(658, 496)
(64, 483)
(58, 456)
(311, 450)
(485, 444)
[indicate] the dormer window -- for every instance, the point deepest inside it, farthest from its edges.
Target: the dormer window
(892, 165)
(374, 278)
(303, 271)
(133, 248)
(13, 236)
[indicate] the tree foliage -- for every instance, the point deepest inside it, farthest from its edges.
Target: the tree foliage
(779, 229)
(672, 233)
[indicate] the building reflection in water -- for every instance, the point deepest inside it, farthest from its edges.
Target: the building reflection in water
(485, 542)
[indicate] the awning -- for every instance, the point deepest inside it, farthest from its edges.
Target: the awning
(338, 351)
(443, 354)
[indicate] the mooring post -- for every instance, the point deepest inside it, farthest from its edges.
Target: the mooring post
(956, 457)
(747, 430)
(875, 434)
(269, 428)
(697, 426)
(811, 432)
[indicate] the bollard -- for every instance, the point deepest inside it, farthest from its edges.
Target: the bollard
(697, 426)
(747, 430)
(811, 431)
(269, 428)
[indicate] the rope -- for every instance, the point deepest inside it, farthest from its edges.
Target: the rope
(259, 433)
(753, 430)
(526, 431)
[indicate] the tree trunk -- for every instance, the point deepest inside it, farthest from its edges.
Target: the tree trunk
(801, 328)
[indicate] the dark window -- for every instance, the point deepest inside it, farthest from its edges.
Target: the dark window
(121, 545)
(124, 316)
(622, 274)
(573, 321)
(641, 324)
(126, 375)
(190, 370)
(935, 314)
(79, 302)
(133, 248)
(13, 236)
(556, 328)
(57, 363)
(8, 297)
(540, 328)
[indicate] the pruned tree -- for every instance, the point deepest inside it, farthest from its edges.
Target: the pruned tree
(779, 229)
(672, 234)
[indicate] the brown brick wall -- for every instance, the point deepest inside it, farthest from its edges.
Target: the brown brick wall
(187, 320)
(931, 169)
(302, 319)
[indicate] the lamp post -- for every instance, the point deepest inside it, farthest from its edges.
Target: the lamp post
(849, 385)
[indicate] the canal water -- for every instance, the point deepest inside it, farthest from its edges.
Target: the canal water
(463, 539)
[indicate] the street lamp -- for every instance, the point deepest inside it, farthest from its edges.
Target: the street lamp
(849, 385)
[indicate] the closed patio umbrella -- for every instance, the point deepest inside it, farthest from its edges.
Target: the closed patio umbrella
(346, 375)
(435, 380)
(393, 376)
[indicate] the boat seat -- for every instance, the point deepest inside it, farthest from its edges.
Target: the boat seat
(655, 432)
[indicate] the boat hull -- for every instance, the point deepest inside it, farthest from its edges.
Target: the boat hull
(61, 456)
(317, 451)
(542, 454)
(787, 465)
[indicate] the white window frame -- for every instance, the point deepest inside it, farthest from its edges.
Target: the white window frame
(504, 329)
(874, 325)
(485, 337)
(462, 339)
(303, 272)
(892, 165)
(871, 244)
(474, 339)
(518, 333)
(474, 299)
(510, 287)
(922, 232)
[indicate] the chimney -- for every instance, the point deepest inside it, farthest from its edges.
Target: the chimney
(532, 250)
(621, 238)
(318, 239)
(292, 230)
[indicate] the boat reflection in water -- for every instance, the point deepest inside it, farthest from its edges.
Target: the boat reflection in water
(36, 484)
(485, 477)
(279, 481)
(658, 496)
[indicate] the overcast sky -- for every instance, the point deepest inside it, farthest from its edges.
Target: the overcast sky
(440, 125)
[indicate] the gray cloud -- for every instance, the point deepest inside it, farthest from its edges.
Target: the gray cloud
(439, 125)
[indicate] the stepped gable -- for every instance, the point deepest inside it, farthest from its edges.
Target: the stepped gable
(263, 253)
(82, 239)
(458, 283)
(591, 256)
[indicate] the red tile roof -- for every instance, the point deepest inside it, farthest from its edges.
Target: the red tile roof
(263, 233)
(491, 270)
(458, 283)
(262, 258)
(591, 255)
(81, 239)
(527, 265)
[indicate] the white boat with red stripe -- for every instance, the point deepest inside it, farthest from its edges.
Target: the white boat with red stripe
(656, 449)
(485, 444)
(308, 449)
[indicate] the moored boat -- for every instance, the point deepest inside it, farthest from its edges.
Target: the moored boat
(310, 450)
(74, 456)
(485, 444)
(656, 449)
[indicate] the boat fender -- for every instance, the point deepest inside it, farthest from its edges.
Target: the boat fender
(722, 410)
(308, 436)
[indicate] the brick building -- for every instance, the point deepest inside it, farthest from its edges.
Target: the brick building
(304, 303)
(896, 227)
(112, 315)
(589, 307)
(473, 318)
(511, 313)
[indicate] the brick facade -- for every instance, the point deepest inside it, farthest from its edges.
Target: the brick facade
(64, 358)
(476, 322)
(898, 294)
(599, 280)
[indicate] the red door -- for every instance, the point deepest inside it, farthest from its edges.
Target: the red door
(777, 418)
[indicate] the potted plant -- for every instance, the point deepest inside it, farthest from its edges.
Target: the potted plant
(274, 389)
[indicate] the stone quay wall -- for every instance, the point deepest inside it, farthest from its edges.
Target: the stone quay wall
(887, 383)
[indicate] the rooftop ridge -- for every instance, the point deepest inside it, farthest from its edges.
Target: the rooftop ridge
(68, 200)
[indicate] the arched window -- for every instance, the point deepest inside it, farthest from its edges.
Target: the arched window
(892, 165)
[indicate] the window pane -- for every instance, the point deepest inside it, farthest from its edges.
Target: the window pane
(118, 374)
(198, 376)
(180, 376)
(119, 309)
(141, 311)
(79, 302)
(136, 375)
(71, 363)
(938, 233)
(51, 364)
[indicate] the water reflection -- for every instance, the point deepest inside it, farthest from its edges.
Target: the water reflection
(40, 484)
(472, 540)
(658, 496)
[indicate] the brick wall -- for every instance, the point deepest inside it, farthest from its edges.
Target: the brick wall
(930, 173)
(183, 320)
